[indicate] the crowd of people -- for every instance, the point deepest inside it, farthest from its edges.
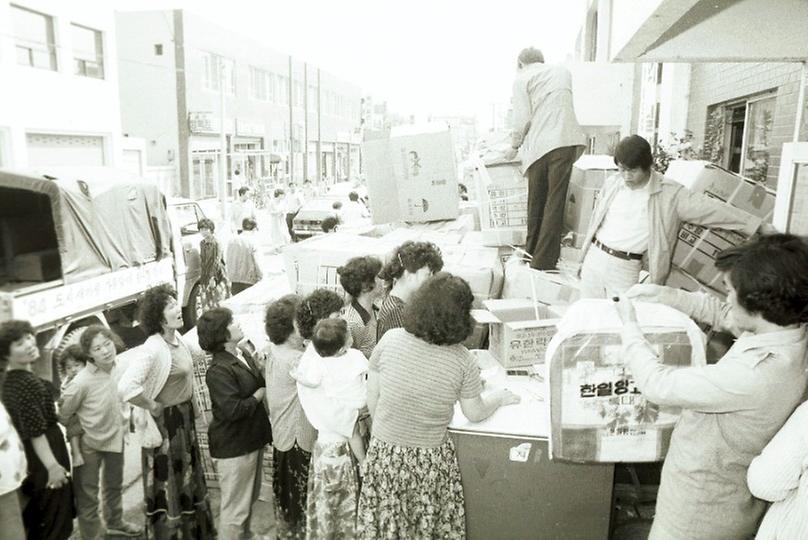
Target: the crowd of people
(355, 398)
(355, 395)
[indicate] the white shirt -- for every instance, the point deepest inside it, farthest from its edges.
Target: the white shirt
(625, 226)
(331, 391)
(353, 212)
(240, 210)
(13, 466)
(780, 475)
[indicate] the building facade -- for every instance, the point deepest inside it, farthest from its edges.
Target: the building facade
(735, 114)
(280, 114)
(63, 106)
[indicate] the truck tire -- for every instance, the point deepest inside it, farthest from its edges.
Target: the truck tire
(190, 312)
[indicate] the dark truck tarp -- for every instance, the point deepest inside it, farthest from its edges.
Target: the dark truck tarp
(105, 219)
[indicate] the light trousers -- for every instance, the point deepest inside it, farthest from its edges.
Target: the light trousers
(108, 466)
(240, 485)
(604, 275)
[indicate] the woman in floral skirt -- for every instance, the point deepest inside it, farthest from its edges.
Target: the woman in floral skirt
(159, 382)
(411, 480)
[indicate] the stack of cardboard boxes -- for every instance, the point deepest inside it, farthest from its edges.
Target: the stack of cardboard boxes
(696, 248)
(503, 203)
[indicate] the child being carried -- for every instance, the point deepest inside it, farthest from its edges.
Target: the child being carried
(331, 383)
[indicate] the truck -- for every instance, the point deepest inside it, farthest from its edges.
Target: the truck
(80, 245)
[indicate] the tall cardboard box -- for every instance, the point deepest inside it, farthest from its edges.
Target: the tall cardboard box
(516, 337)
(741, 193)
(503, 203)
(587, 178)
(412, 177)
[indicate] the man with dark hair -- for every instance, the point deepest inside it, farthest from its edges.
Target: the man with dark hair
(353, 212)
(636, 221)
(243, 207)
(242, 259)
(547, 139)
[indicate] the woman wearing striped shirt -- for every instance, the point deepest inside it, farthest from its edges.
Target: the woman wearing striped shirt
(409, 266)
(359, 278)
(411, 486)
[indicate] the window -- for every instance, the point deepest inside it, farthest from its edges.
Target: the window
(258, 84)
(283, 90)
(34, 38)
(158, 49)
(88, 52)
(213, 63)
(738, 135)
(272, 82)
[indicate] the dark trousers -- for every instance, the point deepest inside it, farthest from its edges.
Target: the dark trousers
(290, 220)
(548, 178)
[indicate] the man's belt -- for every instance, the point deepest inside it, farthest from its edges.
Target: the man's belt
(625, 255)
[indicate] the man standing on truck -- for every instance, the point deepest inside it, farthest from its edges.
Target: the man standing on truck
(547, 139)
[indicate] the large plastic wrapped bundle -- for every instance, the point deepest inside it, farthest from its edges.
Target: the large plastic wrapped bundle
(597, 414)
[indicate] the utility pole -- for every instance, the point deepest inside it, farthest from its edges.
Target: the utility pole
(222, 145)
(319, 135)
(305, 121)
(291, 125)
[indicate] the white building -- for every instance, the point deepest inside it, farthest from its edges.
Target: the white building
(59, 101)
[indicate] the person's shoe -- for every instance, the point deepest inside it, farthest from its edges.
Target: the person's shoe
(125, 529)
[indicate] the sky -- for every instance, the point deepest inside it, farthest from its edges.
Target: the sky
(438, 57)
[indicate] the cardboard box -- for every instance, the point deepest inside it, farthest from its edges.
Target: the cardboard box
(412, 177)
(479, 266)
(742, 193)
(313, 263)
(679, 279)
(398, 236)
(550, 288)
(503, 204)
(587, 178)
(37, 266)
(696, 249)
(476, 239)
(516, 337)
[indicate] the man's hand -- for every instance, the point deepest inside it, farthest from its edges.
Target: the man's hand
(658, 294)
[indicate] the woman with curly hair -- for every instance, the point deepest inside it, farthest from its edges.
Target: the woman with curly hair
(240, 427)
(359, 278)
(417, 373)
(214, 284)
(49, 510)
(731, 409)
(159, 382)
(320, 304)
(293, 434)
(409, 266)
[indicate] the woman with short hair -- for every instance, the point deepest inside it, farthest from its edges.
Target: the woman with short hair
(240, 427)
(292, 432)
(159, 382)
(411, 486)
(409, 266)
(320, 304)
(30, 400)
(359, 278)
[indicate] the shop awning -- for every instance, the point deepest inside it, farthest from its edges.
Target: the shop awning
(721, 31)
(696, 31)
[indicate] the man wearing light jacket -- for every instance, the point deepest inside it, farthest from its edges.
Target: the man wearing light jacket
(548, 140)
(636, 221)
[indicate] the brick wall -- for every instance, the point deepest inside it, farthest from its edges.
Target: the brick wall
(717, 83)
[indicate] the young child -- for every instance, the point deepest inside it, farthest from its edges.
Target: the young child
(331, 382)
(71, 362)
